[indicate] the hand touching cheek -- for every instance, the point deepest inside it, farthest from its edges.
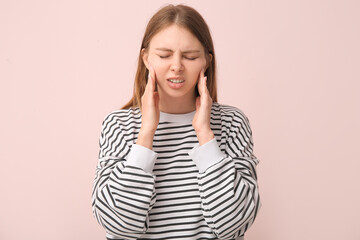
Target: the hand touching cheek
(150, 111)
(201, 120)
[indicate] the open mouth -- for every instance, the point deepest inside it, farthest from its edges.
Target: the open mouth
(176, 80)
(176, 83)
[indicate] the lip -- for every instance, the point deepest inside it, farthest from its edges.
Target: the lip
(176, 85)
(177, 78)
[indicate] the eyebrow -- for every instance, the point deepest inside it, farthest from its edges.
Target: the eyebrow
(169, 50)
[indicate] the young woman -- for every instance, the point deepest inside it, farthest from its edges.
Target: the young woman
(173, 162)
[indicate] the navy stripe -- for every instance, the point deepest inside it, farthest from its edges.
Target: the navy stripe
(176, 201)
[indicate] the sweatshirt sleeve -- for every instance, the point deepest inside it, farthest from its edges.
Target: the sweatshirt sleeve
(123, 190)
(228, 181)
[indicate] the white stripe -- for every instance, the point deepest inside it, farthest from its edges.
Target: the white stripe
(177, 200)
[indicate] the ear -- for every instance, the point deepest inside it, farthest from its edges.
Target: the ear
(144, 56)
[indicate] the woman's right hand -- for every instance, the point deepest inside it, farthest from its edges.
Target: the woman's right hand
(150, 111)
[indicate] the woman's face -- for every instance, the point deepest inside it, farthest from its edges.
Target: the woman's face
(177, 57)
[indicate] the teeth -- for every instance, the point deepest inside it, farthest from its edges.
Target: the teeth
(176, 81)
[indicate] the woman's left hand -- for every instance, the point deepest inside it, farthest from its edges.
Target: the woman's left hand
(201, 120)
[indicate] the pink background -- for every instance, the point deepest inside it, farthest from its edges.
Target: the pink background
(291, 66)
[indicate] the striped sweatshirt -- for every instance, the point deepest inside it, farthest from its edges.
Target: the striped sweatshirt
(178, 189)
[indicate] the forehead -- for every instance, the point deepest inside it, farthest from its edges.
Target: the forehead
(175, 37)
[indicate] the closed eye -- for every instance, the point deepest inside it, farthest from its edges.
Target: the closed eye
(185, 57)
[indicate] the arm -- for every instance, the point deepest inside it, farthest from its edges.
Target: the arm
(228, 182)
(123, 190)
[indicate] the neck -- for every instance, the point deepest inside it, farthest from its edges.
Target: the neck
(174, 105)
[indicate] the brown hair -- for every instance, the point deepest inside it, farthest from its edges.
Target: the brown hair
(183, 16)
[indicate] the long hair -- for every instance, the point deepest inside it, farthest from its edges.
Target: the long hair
(183, 16)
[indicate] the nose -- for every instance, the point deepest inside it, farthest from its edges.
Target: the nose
(176, 64)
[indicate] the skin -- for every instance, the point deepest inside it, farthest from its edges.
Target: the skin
(166, 57)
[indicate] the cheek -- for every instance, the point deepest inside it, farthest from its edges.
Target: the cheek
(159, 68)
(198, 66)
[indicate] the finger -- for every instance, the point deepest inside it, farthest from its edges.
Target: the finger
(202, 73)
(149, 85)
(153, 77)
(202, 85)
(199, 84)
(205, 85)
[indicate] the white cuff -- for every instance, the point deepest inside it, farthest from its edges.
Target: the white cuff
(142, 157)
(206, 155)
